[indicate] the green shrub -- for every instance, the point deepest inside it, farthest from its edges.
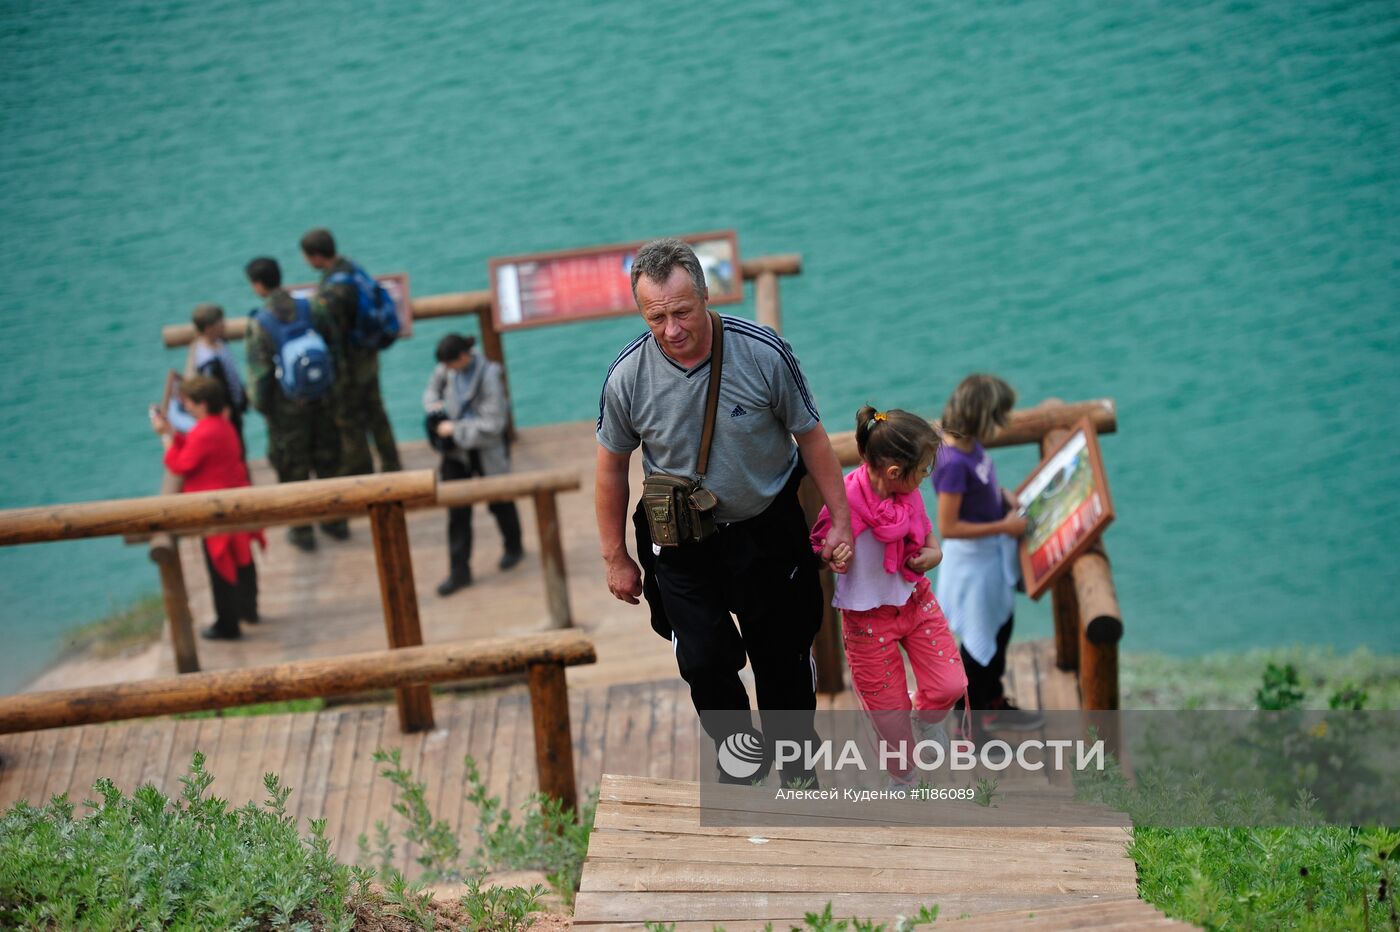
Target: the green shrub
(146, 861)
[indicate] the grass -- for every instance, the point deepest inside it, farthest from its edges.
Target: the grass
(120, 630)
(1229, 680)
(1299, 876)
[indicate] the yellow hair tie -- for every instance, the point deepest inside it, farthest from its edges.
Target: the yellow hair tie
(881, 416)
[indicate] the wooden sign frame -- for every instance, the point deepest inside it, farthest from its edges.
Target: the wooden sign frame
(396, 283)
(509, 315)
(1075, 464)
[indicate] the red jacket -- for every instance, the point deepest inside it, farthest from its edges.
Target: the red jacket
(210, 457)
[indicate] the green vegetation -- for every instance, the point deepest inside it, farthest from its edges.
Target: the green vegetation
(121, 629)
(824, 921)
(546, 836)
(1304, 875)
(1231, 680)
(260, 708)
(146, 861)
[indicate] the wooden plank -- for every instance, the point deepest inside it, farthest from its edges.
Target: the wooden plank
(245, 780)
(279, 732)
(661, 733)
(86, 769)
(65, 758)
(184, 740)
(521, 755)
(384, 794)
(1023, 683)
(496, 768)
(483, 737)
(13, 748)
(154, 768)
(870, 852)
(318, 764)
(19, 766)
(732, 908)
(1081, 878)
(587, 708)
(360, 778)
(472, 716)
(297, 758)
(338, 777)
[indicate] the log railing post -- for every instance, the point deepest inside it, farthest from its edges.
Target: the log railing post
(554, 748)
(1088, 622)
(165, 553)
(826, 650)
(556, 587)
(400, 602)
(767, 305)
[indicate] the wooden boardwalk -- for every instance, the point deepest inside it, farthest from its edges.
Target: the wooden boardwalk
(651, 859)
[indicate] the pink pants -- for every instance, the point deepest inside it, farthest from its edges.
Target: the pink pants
(877, 669)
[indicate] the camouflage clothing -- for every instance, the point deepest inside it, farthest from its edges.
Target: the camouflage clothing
(302, 438)
(359, 406)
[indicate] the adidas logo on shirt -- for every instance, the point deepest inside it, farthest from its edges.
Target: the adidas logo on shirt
(738, 411)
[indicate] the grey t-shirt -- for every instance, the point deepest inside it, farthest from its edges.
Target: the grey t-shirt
(650, 401)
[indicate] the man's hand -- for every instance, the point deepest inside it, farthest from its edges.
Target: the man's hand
(838, 547)
(444, 429)
(625, 579)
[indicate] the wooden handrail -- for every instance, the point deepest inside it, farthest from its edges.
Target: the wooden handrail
(1025, 425)
(226, 508)
(457, 304)
(505, 487)
(300, 679)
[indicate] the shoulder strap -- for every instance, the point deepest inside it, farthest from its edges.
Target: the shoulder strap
(712, 393)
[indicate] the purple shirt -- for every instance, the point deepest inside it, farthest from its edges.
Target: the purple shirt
(974, 477)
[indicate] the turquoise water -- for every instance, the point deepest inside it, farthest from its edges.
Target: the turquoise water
(1191, 208)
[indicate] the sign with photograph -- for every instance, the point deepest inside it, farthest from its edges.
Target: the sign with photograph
(397, 286)
(584, 284)
(1066, 506)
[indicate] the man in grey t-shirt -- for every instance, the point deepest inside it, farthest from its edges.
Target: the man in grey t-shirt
(759, 567)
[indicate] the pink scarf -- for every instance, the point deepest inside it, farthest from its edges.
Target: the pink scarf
(899, 522)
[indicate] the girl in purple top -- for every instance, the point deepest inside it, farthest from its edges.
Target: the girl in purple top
(885, 599)
(979, 524)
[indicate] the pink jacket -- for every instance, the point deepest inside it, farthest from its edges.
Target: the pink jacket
(899, 522)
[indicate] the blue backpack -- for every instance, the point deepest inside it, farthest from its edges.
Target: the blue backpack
(377, 318)
(301, 360)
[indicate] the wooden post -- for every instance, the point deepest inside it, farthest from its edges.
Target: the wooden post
(554, 747)
(556, 589)
(1064, 607)
(165, 553)
(1101, 628)
(826, 650)
(400, 602)
(766, 302)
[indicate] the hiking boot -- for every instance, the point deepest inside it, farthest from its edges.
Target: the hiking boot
(1005, 715)
(302, 538)
(339, 530)
(510, 558)
(215, 633)
(452, 583)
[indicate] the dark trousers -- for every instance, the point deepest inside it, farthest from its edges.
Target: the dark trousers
(984, 683)
(459, 520)
(232, 600)
(761, 571)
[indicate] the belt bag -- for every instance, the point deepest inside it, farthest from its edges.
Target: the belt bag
(679, 509)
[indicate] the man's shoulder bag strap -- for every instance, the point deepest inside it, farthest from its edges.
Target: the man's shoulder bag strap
(707, 433)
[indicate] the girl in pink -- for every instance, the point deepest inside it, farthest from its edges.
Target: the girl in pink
(885, 599)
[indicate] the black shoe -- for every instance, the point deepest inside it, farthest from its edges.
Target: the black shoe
(452, 583)
(510, 558)
(304, 539)
(254, 619)
(1005, 715)
(215, 633)
(340, 530)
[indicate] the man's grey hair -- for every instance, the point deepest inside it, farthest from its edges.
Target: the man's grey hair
(659, 258)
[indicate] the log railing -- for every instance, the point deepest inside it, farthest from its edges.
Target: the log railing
(1088, 622)
(384, 496)
(542, 657)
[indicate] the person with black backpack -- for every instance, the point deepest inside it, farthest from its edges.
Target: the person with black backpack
(366, 318)
(291, 376)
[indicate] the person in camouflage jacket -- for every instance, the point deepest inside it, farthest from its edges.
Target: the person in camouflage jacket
(302, 437)
(359, 405)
